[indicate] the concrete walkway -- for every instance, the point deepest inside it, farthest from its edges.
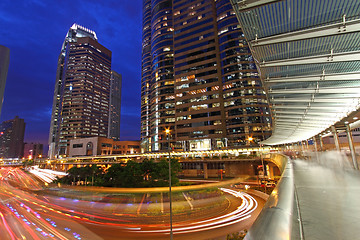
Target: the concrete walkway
(329, 199)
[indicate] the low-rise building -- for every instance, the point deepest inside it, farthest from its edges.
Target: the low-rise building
(93, 146)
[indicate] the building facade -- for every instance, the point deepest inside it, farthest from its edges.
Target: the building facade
(4, 66)
(198, 79)
(115, 106)
(82, 90)
(93, 146)
(12, 138)
(33, 150)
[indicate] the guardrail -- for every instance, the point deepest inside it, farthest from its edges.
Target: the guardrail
(279, 216)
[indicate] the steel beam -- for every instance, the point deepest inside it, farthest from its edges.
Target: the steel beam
(317, 59)
(304, 107)
(299, 126)
(329, 112)
(306, 100)
(300, 117)
(350, 76)
(335, 90)
(244, 5)
(306, 123)
(304, 119)
(282, 126)
(315, 32)
(320, 97)
(301, 112)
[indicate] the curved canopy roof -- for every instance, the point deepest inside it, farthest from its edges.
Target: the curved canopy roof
(308, 56)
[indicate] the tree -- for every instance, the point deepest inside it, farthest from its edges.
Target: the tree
(175, 169)
(132, 175)
(148, 167)
(113, 176)
(73, 174)
(161, 172)
(92, 173)
(27, 163)
(237, 235)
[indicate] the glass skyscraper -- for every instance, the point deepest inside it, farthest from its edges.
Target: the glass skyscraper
(198, 79)
(115, 106)
(12, 138)
(82, 90)
(4, 66)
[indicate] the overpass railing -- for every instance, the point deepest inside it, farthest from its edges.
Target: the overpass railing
(279, 218)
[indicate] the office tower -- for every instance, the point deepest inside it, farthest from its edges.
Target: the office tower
(4, 66)
(115, 106)
(198, 79)
(12, 138)
(82, 90)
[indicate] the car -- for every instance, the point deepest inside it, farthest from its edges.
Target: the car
(270, 184)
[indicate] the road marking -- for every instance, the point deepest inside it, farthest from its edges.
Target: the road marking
(188, 200)
(142, 200)
(162, 203)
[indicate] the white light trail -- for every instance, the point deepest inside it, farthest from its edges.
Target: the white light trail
(248, 205)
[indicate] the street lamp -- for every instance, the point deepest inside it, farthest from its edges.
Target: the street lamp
(167, 132)
(263, 166)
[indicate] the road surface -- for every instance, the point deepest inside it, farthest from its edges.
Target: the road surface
(27, 214)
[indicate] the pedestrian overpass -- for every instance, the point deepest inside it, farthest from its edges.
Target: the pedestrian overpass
(307, 53)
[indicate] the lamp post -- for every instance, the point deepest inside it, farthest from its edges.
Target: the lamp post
(263, 166)
(167, 131)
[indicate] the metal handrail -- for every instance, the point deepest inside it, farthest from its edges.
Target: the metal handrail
(276, 218)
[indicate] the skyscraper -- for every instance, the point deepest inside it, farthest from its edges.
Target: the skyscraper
(4, 65)
(198, 78)
(82, 90)
(12, 138)
(115, 106)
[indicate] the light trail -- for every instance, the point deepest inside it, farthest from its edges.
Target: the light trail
(8, 229)
(243, 212)
(40, 217)
(46, 175)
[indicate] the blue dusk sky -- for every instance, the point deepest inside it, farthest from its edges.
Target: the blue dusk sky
(35, 30)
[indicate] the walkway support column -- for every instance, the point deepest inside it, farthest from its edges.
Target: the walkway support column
(321, 143)
(315, 144)
(316, 149)
(302, 146)
(205, 170)
(336, 138)
(351, 146)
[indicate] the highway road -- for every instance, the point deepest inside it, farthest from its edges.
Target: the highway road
(26, 213)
